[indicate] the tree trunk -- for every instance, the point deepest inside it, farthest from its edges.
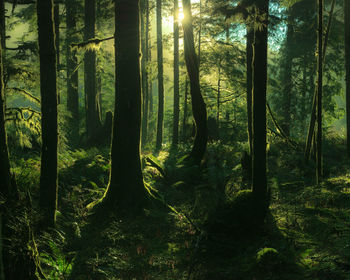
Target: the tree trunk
(200, 33)
(72, 73)
(126, 189)
(144, 62)
(314, 102)
(249, 57)
(287, 81)
(319, 94)
(259, 183)
(5, 174)
(185, 111)
(93, 121)
(57, 43)
(176, 76)
(160, 77)
(149, 51)
(347, 69)
(2, 26)
(198, 105)
(48, 91)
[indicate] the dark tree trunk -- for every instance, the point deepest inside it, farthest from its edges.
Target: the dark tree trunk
(72, 73)
(2, 25)
(144, 62)
(259, 183)
(5, 174)
(249, 57)
(126, 190)
(347, 69)
(184, 121)
(160, 77)
(287, 81)
(176, 76)
(198, 105)
(200, 33)
(93, 121)
(48, 91)
(57, 43)
(319, 94)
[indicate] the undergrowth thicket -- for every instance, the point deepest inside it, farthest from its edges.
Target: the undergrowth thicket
(200, 223)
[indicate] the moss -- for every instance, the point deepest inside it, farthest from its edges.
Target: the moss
(269, 262)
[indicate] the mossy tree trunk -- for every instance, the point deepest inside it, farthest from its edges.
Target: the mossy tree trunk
(159, 139)
(249, 57)
(259, 183)
(198, 105)
(72, 73)
(319, 93)
(347, 69)
(93, 120)
(126, 190)
(176, 76)
(48, 91)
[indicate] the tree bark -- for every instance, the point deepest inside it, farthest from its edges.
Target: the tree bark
(57, 43)
(249, 57)
(93, 121)
(126, 189)
(2, 25)
(48, 91)
(72, 73)
(144, 62)
(259, 182)
(5, 173)
(176, 76)
(184, 121)
(347, 69)
(198, 105)
(319, 94)
(159, 139)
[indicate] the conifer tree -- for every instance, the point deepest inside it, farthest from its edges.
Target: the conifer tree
(48, 92)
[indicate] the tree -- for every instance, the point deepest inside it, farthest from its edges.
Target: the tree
(144, 62)
(160, 77)
(5, 174)
(259, 183)
(319, 93)
(198, 105)
(48, 92)
(249, 85)
(125, 191)
(347, 69)
(287, 63)
(72, 73)
(176, 75)
(57, 42)
(93, 120)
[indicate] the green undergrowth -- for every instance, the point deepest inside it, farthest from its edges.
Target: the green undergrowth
(201, 222)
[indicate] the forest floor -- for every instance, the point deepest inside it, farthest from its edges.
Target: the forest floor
(183, 234)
